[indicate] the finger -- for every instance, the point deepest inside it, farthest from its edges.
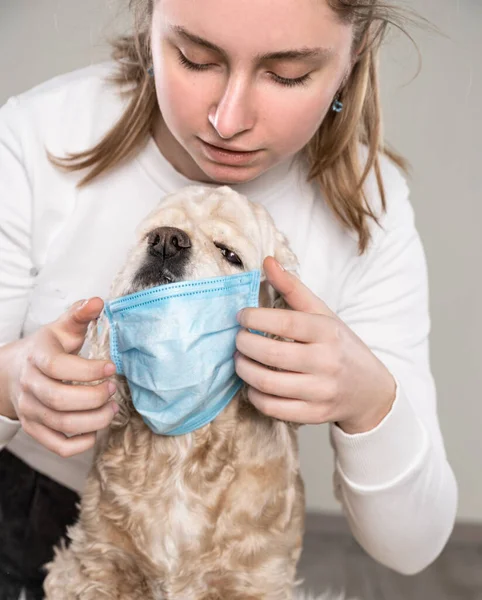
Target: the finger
(296, 294)
(58, 442)
(299, 386)
(286, 409)
(70, 423)
(289, 356)
(65, 397)
(71, 327)
(299, 326)
(53, 362)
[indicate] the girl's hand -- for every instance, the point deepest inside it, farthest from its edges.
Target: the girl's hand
(61, 416)
(327, 373)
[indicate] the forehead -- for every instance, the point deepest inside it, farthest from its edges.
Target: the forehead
(251, 27)
(220, 210)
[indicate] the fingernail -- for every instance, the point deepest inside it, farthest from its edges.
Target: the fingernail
(111, 387)
(109, 369)
(239, 315)
(81, 304)
(280, 266)
(115, 407)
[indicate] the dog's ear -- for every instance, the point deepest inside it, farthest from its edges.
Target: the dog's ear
(273, 243)
(284, 254)
(281, 251)
(98, 344)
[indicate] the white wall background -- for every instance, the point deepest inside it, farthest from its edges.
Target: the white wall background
(436, 121)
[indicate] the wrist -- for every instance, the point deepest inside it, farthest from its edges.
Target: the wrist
(7, 410)
(6, 407)
(381, 406)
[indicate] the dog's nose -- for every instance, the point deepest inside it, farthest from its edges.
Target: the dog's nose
(168, 241)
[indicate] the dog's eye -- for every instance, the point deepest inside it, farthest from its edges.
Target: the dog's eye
(229, 255)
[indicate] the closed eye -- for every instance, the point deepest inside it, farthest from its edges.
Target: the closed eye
(229, 255)
(287, 82)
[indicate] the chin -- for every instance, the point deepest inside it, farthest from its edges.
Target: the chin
(228, 175)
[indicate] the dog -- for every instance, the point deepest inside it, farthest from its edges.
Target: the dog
(216, 514)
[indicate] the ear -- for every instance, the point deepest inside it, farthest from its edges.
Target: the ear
(269, 297)
(283, 253)
(98, 342)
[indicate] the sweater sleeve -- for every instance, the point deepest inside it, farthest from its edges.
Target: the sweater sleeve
(395, 484)
(16, 267)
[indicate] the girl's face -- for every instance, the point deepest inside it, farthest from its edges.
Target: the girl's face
(256, 76)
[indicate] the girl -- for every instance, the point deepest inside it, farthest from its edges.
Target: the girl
(278, 99)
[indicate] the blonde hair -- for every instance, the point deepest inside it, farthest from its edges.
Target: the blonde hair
(334, 151)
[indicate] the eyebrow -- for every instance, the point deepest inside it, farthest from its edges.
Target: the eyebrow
(296, 54)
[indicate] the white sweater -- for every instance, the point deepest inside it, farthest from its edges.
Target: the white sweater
(59, 244)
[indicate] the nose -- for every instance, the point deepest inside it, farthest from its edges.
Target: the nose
(167, 242)
(233, 114)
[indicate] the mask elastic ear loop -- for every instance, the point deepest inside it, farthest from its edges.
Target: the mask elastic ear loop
(100, 321)
(114, 350)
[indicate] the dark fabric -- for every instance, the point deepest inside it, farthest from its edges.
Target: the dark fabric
(34, 514)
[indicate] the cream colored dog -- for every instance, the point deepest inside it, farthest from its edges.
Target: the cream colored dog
(216, 514)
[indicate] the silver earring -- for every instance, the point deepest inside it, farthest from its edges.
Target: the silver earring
(150, 71)
(337, 106)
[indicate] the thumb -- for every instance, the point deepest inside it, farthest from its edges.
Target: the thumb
(71, 327)
(297, 295)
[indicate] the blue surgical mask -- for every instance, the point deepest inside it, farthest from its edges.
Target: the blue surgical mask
(175, 344)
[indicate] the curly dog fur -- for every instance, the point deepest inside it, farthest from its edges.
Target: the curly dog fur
(216, 514)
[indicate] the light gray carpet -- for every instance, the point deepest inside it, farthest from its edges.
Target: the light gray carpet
(332, 559)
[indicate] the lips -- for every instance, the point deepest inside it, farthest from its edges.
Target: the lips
(229, 157)
(233, 150)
